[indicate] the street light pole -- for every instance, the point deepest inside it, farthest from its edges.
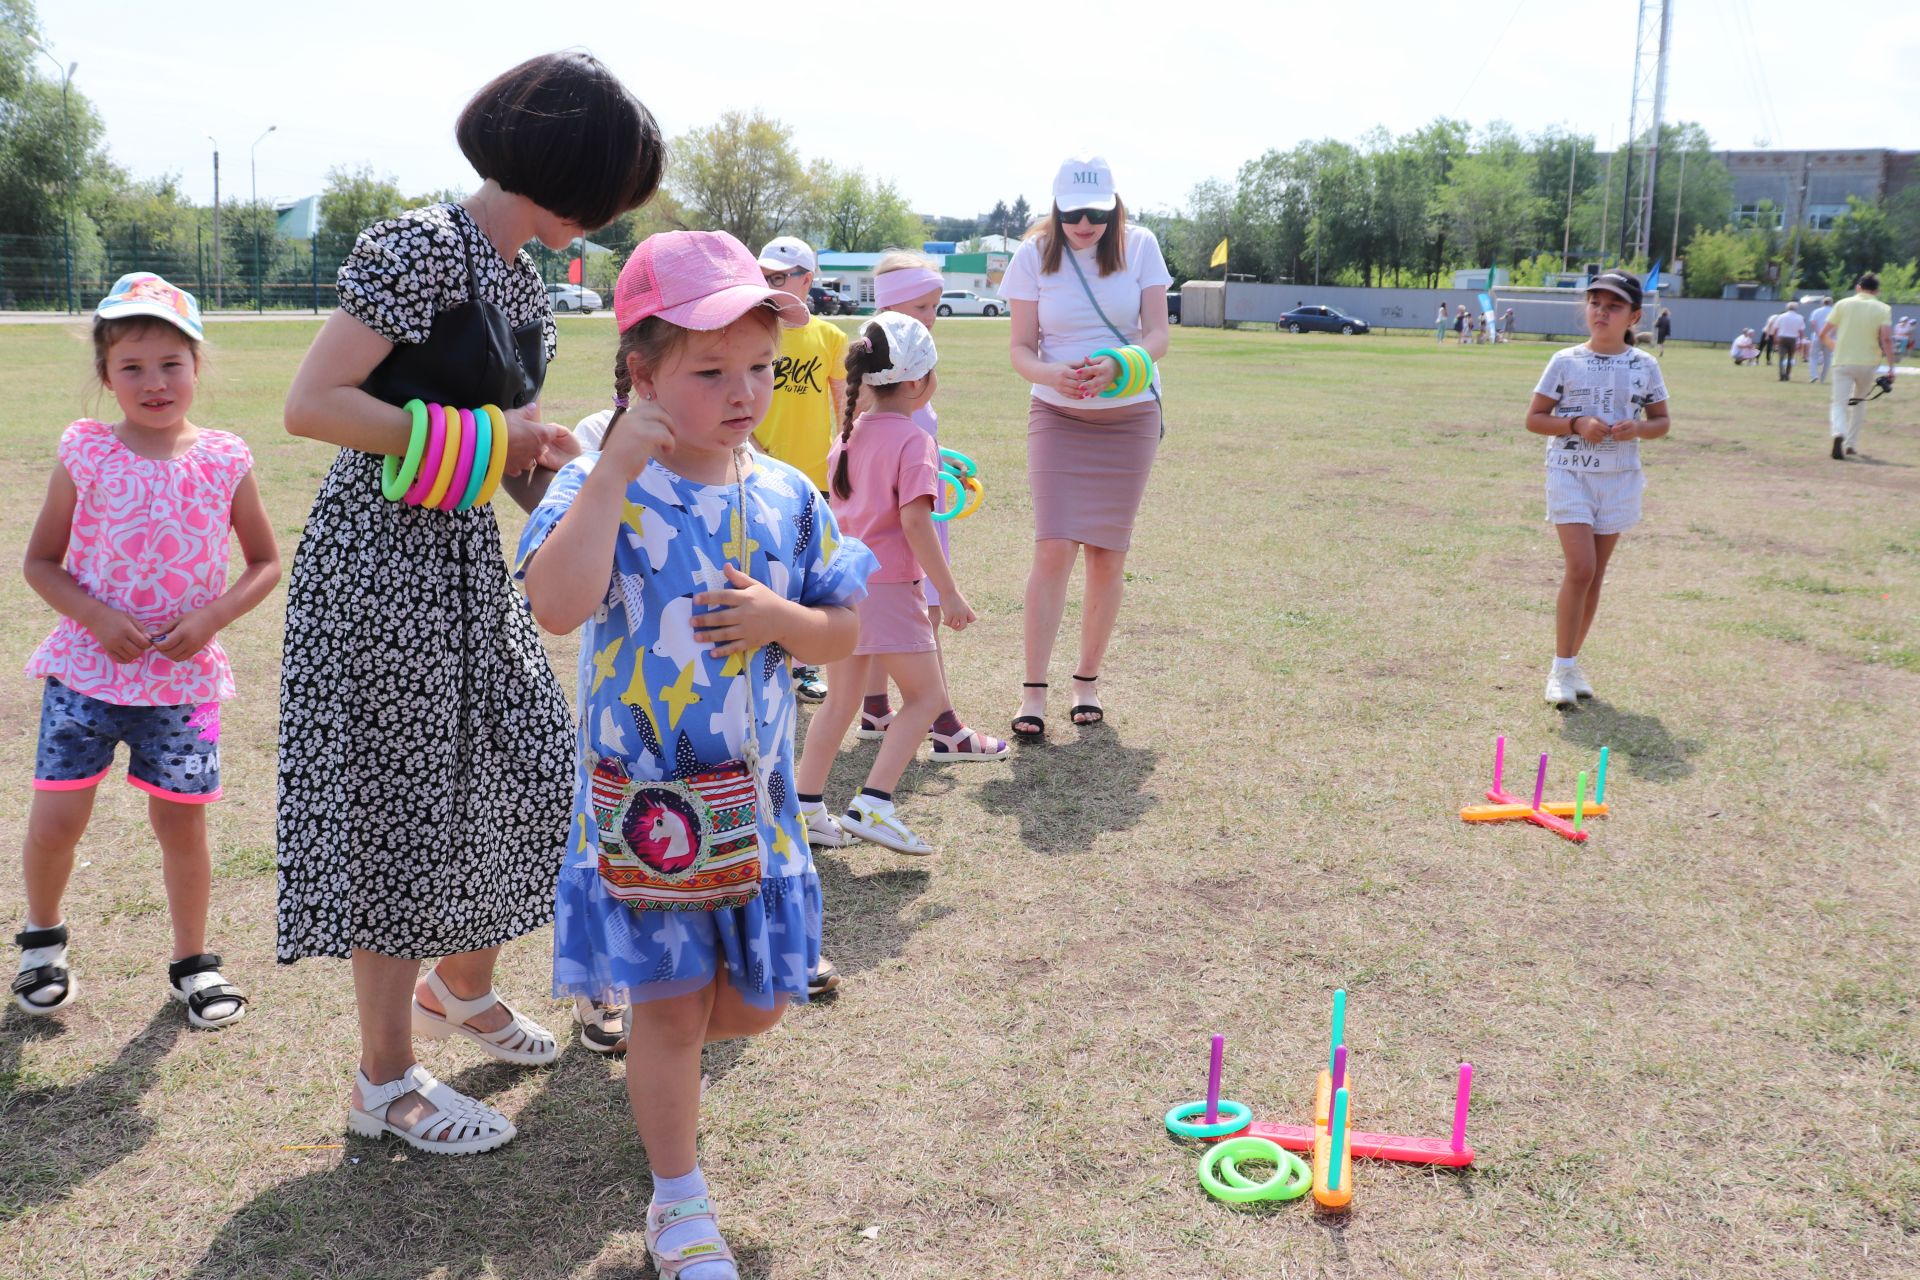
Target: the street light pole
(66, 130)
(253, 163)
(216, 220)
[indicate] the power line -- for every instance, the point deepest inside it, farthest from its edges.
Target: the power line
(1488, 60)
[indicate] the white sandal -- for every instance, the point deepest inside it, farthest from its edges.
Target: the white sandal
(882, 828)
(521, 1041)
(457, 1125)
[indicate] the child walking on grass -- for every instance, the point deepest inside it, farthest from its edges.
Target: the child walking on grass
(131, 550)
(1595, 402)
(694, 568)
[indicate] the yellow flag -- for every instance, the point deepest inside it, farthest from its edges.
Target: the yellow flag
(1219, 254)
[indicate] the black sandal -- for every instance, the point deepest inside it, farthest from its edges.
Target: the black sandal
(1094, 714)
(36, 979)
(1038, 729)
(197, 996)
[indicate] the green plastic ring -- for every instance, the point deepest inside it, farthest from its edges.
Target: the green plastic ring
(959, 495)
(396, 476)
(1118, 378)
(1180, 1126)
(1291, 1178)
(960, 460)
(485, 430)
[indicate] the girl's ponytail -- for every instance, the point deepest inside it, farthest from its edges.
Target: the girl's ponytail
(866, 354)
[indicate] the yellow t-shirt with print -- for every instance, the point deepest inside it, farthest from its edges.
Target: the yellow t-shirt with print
(1856, 325)
(799, 428)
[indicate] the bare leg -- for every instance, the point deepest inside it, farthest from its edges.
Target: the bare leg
(382, 992)
(846, 685)
(922, 697)
(469, 975)
(1046, 600)
(1106, 584)
(663, 1065)
(54, 826)
(1577, 547)
(1603, 545)
(187, 867)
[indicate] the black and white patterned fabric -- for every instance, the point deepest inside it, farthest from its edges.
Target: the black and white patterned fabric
(426, 753)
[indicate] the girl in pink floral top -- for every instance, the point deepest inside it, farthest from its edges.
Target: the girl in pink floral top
(131, 550)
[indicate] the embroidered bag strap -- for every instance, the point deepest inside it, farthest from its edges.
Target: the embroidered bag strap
(1114, 329)
(750, 752)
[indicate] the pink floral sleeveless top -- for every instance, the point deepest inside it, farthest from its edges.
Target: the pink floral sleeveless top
(150, 539)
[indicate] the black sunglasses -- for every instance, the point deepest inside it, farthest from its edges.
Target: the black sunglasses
(1098, 217)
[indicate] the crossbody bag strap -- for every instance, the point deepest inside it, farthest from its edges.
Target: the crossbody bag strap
(1114, 329)
(750, 752)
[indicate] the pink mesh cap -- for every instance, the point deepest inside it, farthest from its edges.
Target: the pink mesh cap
(697, 280)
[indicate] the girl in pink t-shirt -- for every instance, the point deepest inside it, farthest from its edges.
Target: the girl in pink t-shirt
(886, 477)
(131, 550)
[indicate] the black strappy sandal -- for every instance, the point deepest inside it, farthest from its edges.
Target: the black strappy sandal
(38, 979)
(1095, 715)
(211, 989)
(1030, 728)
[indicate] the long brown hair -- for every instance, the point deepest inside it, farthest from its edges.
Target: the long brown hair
(1112, 248)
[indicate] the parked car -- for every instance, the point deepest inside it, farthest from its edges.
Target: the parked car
(824, 298)
(573, 297)
(1173, 307)
(965, 302)
(1321, 320)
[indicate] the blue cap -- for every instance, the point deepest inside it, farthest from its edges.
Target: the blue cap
(142, 293)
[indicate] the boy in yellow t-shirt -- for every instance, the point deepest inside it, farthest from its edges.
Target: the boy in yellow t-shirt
(809, 394)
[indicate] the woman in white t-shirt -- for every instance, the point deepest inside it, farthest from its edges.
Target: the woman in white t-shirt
(1082, 281)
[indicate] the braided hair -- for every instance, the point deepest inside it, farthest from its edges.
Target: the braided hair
(868, 353)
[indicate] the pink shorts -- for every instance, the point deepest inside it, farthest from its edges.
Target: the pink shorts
(893, 619)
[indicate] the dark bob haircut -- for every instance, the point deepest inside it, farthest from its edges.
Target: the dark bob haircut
(562, 131)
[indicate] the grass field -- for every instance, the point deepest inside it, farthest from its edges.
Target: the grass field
(1695, 1036)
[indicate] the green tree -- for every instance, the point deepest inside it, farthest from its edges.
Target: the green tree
(1716, 259)
(857, 214)
(1862, 237)
(1903, 222)
(741, 175)
(1489, 200)
(1019, 216)
(354, 198)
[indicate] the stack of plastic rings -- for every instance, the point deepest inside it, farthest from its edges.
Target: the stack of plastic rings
(958, 473)
(454, 458)
(1136, 371)
(1219, 1172)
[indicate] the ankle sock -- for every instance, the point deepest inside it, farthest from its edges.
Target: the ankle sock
(1563, 665)
(875, 793)
(948, 723)
(809, 802)
(686, 1186)
(876, 706)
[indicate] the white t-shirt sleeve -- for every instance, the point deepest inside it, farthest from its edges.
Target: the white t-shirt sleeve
(1553, 379)
(1656, 384)
(1150, 265)
(1021, 280)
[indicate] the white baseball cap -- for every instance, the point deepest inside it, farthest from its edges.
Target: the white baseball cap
(788, 253)
(909, 345)
(1084, 182)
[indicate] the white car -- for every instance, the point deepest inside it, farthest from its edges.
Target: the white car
(965, 302)
(573, 297)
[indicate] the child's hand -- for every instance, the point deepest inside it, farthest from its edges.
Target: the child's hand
(744, 617)
(1592, 430)
(955, 611)
(186, 635)
(123, 638)
(529, 439)
(644, 431)
(563, 449)
(1626, 430)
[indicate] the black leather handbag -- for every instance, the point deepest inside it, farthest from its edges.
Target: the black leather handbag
(472, 356)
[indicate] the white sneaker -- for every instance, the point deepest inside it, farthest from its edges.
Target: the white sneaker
(1577, 681)
(882, 828)
(1560, 689)
(823, 829)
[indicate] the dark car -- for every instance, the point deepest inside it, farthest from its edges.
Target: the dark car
(1173, 307)
(1321, 320)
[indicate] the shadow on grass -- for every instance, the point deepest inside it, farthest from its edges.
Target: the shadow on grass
(872, 912)
(544, 1205)
(1065, 793)
(1640, 742)
(52, 1140)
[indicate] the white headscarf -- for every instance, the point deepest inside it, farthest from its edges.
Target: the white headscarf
(909, 346)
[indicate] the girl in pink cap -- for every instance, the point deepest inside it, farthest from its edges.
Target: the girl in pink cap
(694, 569)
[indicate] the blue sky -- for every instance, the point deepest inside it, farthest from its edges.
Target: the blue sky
(963, 111)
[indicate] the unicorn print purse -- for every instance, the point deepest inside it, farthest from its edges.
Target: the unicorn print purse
(691, 843)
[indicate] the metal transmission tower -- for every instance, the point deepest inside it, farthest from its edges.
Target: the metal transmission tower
(1647, 111)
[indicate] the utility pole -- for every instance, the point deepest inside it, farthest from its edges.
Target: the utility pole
(1649, 95)
(216, 220)
(66, 131)
(253, 162)
(1566, 236)
(1673, 250)
(1606, 206)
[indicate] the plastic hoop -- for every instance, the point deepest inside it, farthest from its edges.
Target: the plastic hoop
(1180, 1126)
(979, 493)
(960, 460)
(396, 476)
(958, 486)
(1221, 1176)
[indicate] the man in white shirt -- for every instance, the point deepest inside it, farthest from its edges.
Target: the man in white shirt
(1789, 327)
(1817, 358)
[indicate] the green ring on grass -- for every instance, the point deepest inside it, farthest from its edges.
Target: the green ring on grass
(1180, 1126)
(1290, 1181)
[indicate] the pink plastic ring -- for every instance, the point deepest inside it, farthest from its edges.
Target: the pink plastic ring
(463, 469)
(430, 466)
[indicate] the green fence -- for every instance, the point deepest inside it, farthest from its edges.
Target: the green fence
(253, 273)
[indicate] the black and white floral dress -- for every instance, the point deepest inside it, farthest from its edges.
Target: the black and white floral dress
(425, 745)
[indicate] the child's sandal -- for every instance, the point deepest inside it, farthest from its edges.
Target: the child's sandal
(43, 969)
(212, 1002)
(1030, 728)
(872, 727)
(967, 745)
(457, 1125)
(521, 1041)
(711, 1247)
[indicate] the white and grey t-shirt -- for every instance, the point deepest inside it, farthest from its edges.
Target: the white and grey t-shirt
(1584, 383)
